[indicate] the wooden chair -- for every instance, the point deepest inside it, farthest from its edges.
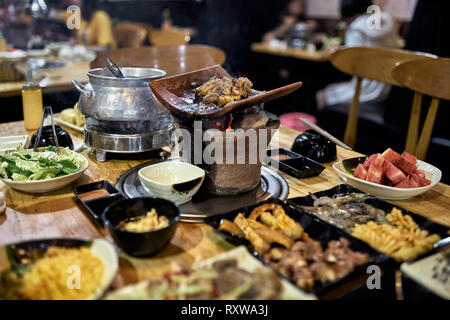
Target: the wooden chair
(172, 59)
(430, 77)
(170, 37)
(368, 63)
(130, 35)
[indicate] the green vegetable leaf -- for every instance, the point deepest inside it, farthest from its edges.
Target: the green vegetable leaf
(51, 148)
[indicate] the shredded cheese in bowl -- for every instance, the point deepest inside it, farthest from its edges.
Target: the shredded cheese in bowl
(149, 222)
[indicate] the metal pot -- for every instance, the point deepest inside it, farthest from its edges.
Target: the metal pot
(106, 97)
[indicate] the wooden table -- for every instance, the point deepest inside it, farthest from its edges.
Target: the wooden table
(57, 214)
(318, 56)
(60, 79)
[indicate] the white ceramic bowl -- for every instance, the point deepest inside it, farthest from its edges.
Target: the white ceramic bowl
(172, 180)
(390, 193)
(41, 186)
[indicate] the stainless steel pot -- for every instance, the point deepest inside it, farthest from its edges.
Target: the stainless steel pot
(130, 98)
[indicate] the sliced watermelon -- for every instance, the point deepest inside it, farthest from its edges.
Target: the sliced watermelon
(360, 172)
(394, 174)
(370, 160)
(375, 174)
(420, 173)
(399, 161)
(423, 182)
(408, 182)
(409, 157)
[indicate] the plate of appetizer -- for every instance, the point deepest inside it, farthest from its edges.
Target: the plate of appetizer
(389, 175)
(40, 171)
(304, 250)
(403, 235)
(211, 93)
(57, 269)
(72, 118)
(233, 275)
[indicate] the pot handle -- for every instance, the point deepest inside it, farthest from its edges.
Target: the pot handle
(88, 93)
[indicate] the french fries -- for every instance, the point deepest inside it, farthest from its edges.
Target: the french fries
(403, 240)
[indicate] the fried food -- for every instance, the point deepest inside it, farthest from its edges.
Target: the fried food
(271, 235)
(261, 246)
(222, 91)
(403, 240)
(231, 227)
(149, 222)
(73, 116)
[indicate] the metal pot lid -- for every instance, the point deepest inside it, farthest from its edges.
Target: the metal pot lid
(134, 77)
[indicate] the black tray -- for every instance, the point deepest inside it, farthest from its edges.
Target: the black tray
(422, 222)
(317, 230)
(297, 166)
(96, 206)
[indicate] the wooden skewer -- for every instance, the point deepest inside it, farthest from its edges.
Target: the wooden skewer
(325, 134)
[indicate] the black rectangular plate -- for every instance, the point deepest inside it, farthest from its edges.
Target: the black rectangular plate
(316, 229)
(422, 222)
(297, 166)
(96, 206)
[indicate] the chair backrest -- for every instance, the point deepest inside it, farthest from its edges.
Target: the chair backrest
(430, 77)
(425, 76)
(129, 34)
(172, 59)
(373, 63)
(170, 37)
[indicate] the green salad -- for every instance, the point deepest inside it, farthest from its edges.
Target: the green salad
(29, 165)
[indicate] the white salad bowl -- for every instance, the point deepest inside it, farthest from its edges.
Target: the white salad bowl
(172, 180)
(390, 193)
(41, 186)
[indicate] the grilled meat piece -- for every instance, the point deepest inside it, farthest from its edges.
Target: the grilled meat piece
(223, 91)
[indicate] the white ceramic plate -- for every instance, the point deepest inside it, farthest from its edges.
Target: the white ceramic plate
(390, 193)
(245, 261)
(10, 143)
(99, 248)
(422, 272)
(41, 186)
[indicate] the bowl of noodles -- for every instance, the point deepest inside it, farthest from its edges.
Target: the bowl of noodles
(57, 269)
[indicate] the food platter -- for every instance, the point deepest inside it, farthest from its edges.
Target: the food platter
(203, 205)
(302, 203)
(245, 263)
(24, 256)
(387, 192)
(316, 229)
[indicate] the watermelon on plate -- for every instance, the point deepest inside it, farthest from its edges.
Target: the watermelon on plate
(394, 174)
(375, 174)
(399, 161)
(360, 172)
(409, 157)
(408, 182)
(423, 182)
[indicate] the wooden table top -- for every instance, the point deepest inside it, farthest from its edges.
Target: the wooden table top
(60, 79)
(57, 214)
(292, 52)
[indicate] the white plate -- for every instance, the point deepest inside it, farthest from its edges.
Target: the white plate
(422, 272)
(41, 186)
(100, 248)
(390, 193)
(10, 143)
(245, 261)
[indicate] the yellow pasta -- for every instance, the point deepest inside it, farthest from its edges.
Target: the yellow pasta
(403, 240)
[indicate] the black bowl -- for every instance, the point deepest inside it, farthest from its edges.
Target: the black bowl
(314, 146)
(144, 243)
(47, 138)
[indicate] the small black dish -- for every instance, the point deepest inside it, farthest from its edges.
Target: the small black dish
(314, 146)
(294, 164)
(97, 205)
(47, 139)
(144, 243)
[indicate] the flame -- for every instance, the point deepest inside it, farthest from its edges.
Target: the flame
(229, 128)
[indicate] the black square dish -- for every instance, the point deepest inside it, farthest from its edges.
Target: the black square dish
(344, 189)
(317, 230)
(294, 164)
(97, 205)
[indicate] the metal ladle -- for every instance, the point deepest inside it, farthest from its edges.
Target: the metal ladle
(114, 68)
